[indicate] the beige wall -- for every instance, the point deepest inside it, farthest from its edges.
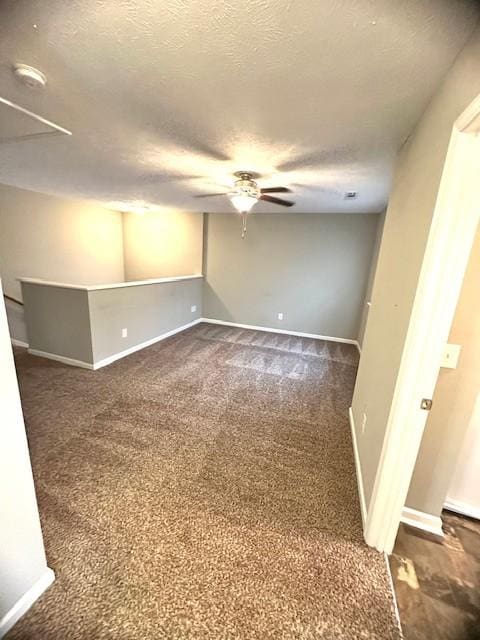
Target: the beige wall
(56, 239)
(22, 557)
(88, 322)
(43, 236)
(464, 489)
(371, 278)
(407, 225)
(146, 311)
(58, 321)
(160, 245)
(313, 268)
(454, 401)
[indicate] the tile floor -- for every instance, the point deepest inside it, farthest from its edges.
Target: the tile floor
(437, 582)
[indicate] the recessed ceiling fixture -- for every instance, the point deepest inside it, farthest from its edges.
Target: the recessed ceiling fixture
(246, 193)
(29, 76)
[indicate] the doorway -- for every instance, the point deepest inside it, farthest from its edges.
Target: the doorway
(435, 570)
(450, 240)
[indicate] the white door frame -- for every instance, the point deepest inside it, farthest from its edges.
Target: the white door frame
(454, 223)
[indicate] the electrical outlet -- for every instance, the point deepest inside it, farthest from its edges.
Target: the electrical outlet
(364, 423)
(193, 308)
(280, 316)
(124, 333)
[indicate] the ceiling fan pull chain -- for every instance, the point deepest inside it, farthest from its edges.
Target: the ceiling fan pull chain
(244, 225)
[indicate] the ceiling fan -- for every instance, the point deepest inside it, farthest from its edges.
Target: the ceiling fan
(246, 193)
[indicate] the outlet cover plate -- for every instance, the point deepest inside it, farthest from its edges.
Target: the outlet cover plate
(451, 353)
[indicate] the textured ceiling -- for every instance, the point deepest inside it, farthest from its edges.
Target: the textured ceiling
(167, 98)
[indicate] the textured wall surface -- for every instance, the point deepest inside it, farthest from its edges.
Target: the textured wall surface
(162, 245)
(407, 225)
(313, 268)
(166, 99)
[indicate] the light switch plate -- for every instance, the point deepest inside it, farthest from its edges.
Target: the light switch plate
(451, 353)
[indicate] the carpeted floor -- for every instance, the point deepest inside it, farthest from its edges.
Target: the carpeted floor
(203, 488)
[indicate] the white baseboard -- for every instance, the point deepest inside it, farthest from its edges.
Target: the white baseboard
(19, 343)
(25, 602)
(358, 469)
(63, 359)
(142, 345)
(424, 521)
(116, 356)
(299, 334)
(121, 354)
(462, 508)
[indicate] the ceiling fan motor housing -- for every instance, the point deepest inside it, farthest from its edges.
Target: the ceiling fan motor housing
(246, 186)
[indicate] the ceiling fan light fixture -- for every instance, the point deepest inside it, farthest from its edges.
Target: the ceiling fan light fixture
(245, 194)
(243, 202)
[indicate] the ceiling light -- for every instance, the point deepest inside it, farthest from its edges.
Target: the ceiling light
(243, 202)
(29, 76)
(245, 193)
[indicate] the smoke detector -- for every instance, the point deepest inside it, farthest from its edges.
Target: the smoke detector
(29, 76)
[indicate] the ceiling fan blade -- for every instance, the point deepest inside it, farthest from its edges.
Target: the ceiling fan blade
(283, 203)
(210, 195)
(276, 190)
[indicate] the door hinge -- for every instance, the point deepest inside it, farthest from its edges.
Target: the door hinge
(426, 404)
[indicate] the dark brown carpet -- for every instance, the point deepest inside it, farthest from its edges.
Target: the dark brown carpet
(202, 488)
